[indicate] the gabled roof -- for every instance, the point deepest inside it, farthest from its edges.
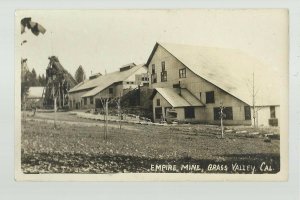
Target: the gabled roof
(186, 99)
(35, 92)
(230, 70)
(98, 84)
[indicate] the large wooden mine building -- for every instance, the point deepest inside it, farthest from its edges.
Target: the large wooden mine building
(191, 83)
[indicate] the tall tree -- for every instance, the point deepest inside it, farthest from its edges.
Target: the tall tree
(42, 80)
(33, 78)
(79, 74)
(25, 79)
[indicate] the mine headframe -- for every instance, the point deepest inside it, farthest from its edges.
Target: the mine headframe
(59, 81)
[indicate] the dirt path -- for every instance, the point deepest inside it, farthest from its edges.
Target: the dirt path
(88, 124)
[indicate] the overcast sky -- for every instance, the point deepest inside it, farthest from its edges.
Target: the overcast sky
(102, 40)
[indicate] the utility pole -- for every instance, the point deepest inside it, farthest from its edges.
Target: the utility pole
(63, 94)
(55, 112)
(253, 100)
(54, 104)
(59, 97)
(25, 109)
(221, 117)
(106, 121)
(119, 112)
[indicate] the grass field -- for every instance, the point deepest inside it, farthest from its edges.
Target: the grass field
(78, 146)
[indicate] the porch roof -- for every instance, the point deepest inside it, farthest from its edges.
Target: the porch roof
(178, 98)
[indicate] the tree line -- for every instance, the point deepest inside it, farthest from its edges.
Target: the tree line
(30, 79)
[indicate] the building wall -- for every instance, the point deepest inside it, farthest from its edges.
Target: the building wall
(163, 104)
(76, 96)
(141, 79)
(263, 115)
(141, 70)
(119, 89)
(199, 111)
(196, 85)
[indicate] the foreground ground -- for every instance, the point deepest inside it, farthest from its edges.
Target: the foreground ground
(78, 146)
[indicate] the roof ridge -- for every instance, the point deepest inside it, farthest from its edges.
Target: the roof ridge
(226, 68)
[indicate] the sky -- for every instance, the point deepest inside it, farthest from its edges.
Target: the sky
(104, 40)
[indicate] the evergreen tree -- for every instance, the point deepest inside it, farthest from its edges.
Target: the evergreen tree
(79, 74)
(25, 79)
(33, 78)
(44, 83)
(41, 80)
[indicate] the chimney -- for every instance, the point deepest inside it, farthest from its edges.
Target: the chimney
(178, 87)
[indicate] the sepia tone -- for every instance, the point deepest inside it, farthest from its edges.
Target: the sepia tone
(132, 98)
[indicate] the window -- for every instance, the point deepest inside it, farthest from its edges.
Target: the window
(272, 112)
(163, 66)
(111, 90)
(227, 111)
(91, 100)
(247, 111)
(153, 78)
(158, 112)
(200, 96)
(98, 103)
(153, 68)
(182, 73)
(171, 114)
(85, 100)
(163, 76)
(210, 97)
(158, 102)
(189, 112)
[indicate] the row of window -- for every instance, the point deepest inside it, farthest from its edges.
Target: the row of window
(130, 82)
(145, 79)
(182, 73)
(110, 91)
(189, 112)
(210, 98)
(85, 100)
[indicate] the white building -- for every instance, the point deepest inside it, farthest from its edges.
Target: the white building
(191, 82)
(87, 94)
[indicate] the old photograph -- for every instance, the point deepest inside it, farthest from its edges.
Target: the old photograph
(188, 94)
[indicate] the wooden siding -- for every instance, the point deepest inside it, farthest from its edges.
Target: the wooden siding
(195, 85)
